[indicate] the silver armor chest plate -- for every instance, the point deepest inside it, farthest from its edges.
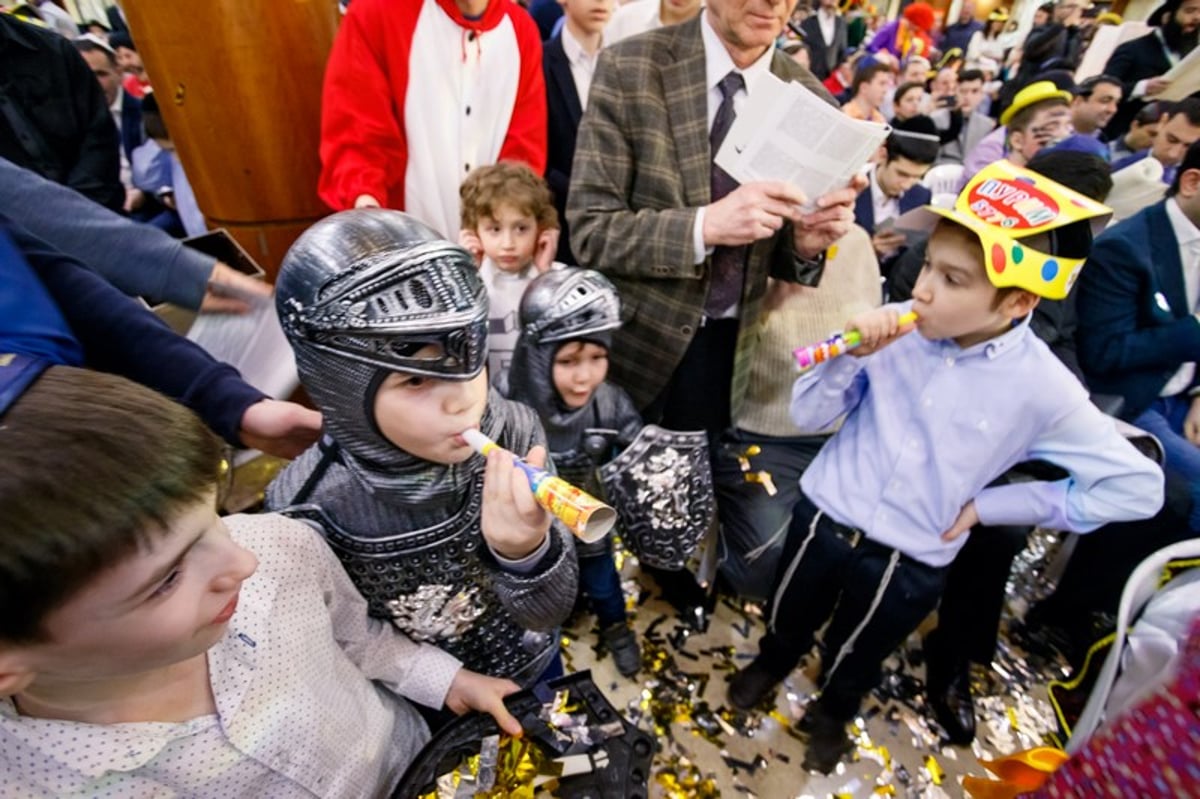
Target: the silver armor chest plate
(433, 585)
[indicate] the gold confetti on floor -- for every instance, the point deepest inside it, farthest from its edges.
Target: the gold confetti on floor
(708, 749)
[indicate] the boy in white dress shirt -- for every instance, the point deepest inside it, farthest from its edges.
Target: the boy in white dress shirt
(150, 647)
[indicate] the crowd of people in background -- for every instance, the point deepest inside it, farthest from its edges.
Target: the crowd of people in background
(562, 211)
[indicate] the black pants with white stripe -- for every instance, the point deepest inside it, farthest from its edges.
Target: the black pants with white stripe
(872, 596)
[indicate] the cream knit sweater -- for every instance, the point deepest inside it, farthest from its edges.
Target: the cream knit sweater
(804, 315)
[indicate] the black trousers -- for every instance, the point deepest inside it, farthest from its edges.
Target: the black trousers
(969, 616)
(872, 595)
(697, 396)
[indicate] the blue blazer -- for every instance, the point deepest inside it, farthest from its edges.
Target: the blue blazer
(1135, 326)
(564, 111)
(864, 209)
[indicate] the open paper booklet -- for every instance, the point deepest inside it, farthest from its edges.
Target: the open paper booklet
(784, 132)
(1105, 41)
(253, 343)
(1184, 79)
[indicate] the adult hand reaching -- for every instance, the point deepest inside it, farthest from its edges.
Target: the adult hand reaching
(230, 291)
(283, 429)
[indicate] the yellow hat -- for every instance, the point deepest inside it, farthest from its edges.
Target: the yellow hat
(999, 15)
(1004, 204)
(1034, 93)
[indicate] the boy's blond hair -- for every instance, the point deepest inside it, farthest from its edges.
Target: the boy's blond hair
(510, 183)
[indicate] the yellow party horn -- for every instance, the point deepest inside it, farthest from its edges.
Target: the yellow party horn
(584, 515)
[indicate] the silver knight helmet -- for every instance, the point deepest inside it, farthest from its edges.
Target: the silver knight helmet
(364, 293)
(559, 306)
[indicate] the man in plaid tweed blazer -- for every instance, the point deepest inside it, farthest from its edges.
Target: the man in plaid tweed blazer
(640, 209)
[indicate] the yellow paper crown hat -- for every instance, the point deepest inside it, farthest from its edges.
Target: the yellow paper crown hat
(1004, 205)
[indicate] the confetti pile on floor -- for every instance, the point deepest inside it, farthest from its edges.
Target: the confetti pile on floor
(708, 749)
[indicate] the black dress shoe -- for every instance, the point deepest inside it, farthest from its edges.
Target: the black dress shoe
(828, 742)
(954, 708)
(750, 686)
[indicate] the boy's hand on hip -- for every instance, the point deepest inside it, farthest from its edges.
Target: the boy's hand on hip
(472, 691)
(513, 523)
(878, 328)
(968, 517)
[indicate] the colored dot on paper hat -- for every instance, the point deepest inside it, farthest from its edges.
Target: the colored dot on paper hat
(998, 259)
(1049, 270)
(1018, 253)
(1026, 179)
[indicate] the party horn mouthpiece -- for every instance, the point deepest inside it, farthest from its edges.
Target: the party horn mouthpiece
(584, 515)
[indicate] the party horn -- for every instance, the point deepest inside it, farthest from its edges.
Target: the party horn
(835, 345)
(584, 515)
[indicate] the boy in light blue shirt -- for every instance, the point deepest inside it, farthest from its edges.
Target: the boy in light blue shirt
(932, 419)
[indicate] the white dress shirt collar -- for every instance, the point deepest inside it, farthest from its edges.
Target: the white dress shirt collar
(1186, 233)
(718, 64)
(827, 20)
(1187, 238)
(583, 65)
(884, 207)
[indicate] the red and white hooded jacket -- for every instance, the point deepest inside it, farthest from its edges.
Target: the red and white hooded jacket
(417, 95)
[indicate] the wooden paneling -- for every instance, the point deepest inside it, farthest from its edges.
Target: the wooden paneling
(239, 85)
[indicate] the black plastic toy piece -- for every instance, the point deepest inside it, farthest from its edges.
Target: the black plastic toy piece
(628, 755)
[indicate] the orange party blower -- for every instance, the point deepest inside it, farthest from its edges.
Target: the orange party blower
(584, 515)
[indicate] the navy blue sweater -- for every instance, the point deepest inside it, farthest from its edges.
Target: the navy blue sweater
(117, 334)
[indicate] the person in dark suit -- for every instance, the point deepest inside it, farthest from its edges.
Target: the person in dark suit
(126, 109)
(1140, 63)
(894, 185)
(568, 61)
(116, 19)
(53, 116)
(1139, 333)
(826, 36)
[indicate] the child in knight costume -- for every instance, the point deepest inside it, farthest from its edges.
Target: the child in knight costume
(659, 483)
(389, 323)
(559, 367)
